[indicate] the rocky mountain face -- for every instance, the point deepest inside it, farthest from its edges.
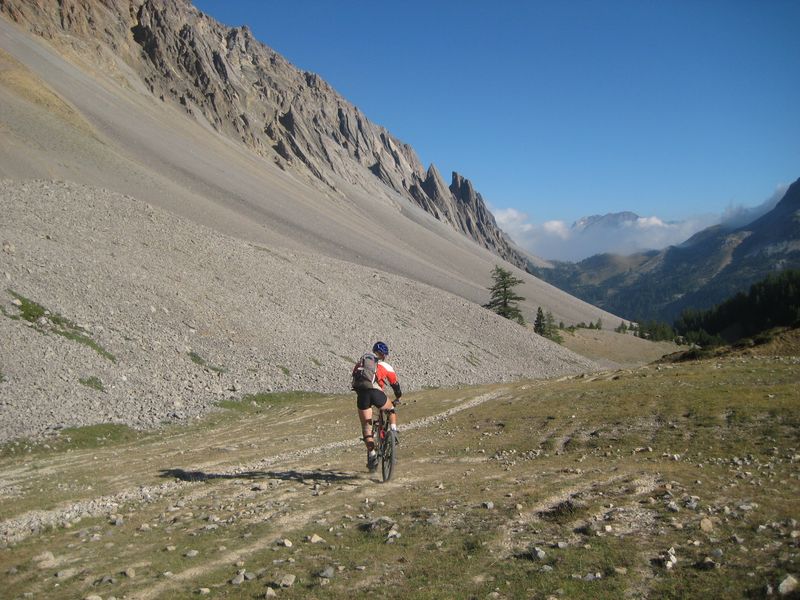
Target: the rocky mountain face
(225, 78)
(706, 269)
(610, 220)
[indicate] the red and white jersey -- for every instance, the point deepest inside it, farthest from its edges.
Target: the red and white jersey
(384, 373)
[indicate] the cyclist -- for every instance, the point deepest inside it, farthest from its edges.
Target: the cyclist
(375, 396)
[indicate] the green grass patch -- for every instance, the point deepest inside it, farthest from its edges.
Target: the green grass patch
(33, 312)
(2, 377)
(28, 309)
(87, 341)
(199, 360)
(73, 438)
(316, 362)
(284, 370)
(95, 436)
(93, 382)
(564, 512)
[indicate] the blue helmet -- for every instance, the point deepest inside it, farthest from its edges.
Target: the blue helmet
(381, 347)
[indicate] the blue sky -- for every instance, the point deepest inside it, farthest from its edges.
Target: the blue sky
(679, 110)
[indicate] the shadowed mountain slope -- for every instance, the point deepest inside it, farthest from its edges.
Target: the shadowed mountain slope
(711, 266)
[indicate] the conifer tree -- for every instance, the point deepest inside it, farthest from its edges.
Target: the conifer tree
(539, 323)
(550, 329)
(502, 299)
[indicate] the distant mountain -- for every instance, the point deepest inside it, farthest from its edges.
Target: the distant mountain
(608, 221)
(709, 267)
(226, 79)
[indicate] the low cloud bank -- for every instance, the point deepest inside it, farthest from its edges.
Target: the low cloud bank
(620, 233)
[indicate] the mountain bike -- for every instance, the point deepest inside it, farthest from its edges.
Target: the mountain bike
(385, 442)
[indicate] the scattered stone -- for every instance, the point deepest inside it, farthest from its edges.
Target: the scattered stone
(361, 568)
(707, 564)
(66, 573)
(238, 579)
(9, 248)
(380, 523)
(488, 505)
(285, 542)
(130, 572)
(44, 557)
(204, 591)
(706, 525)
(537, 553)
(673, 507)
(315, 539)
(788, 586)
(287, 580)
(93, 597)
(191, 554)
(327, 573)
(620, 570)
(668, 560)
(270, 593)
(171, 548)
(249, 576)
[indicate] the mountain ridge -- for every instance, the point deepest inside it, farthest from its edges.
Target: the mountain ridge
(245, 90)
(710, 266)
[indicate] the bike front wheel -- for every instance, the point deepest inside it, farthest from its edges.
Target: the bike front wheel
(389, 454)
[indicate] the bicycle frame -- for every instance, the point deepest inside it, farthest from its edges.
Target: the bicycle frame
(384, 442)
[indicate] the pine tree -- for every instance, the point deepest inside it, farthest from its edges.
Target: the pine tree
(502, 299)
(550, 329)
(539, 323)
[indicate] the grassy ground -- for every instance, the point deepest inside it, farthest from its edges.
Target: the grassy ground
(575, 488)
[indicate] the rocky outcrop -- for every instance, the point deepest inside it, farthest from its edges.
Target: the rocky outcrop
(244, 90)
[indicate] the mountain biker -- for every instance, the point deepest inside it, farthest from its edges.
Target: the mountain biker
(375, 396)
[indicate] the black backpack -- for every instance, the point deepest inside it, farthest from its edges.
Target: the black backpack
(364, 373)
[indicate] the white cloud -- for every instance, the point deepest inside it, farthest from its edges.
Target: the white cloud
(623, 233)
(738, 215)
(648, 222)
(557, 228)
(558, 241)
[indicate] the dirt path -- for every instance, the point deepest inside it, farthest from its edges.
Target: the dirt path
(18, 528)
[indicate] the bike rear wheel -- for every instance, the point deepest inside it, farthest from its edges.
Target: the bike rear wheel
(388, 454)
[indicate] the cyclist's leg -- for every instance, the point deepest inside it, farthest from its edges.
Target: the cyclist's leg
(388, 408)
(365, 417)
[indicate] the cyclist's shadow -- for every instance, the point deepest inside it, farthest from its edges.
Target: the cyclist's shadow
(327, 476)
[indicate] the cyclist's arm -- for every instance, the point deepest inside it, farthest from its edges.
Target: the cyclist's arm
(396, 389)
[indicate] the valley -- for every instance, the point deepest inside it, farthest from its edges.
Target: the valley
(583, 487)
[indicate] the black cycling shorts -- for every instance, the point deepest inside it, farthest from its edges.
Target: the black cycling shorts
(367, 398)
